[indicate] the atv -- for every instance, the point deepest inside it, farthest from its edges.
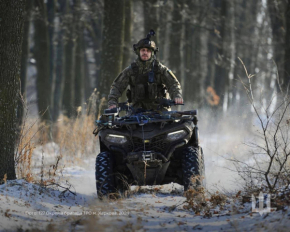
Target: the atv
(150, 147)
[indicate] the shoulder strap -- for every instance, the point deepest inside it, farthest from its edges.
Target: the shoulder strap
(156, 66)
(135, 68)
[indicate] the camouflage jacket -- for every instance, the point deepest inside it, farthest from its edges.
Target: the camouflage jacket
(144, 90)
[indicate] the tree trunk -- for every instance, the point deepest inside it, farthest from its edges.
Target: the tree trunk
(226, 54)
(112, 46)
(220, 73)
(59, 65)
(286, 81)
(79, 58)
(96, 34)
(87, 84)
(164, 31)
(203, 66)
(230, 48)
(127, 51)
(24, 63)
(41, 53)
(247, 48)
(189, 90)
(278, 27)
(151, 20)
(11, 31)
(69, 75)
(213, 54)
(175, 38)
(50, 17)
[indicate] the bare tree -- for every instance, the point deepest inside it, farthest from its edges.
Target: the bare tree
(268, 168)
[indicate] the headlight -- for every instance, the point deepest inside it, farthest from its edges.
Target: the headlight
(116, 138)
(176, 135)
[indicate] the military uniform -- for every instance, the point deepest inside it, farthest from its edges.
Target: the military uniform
(147, 80)
(144, 87)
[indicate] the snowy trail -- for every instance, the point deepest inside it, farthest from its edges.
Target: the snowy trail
(26, 206)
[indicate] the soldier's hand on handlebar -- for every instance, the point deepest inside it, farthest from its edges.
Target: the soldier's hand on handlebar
(178, 100)
(112, 106)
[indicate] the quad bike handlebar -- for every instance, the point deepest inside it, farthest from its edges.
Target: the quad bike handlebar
(123, 106)
(140, 116)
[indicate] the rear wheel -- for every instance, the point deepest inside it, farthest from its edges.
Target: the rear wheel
(105, 181)
(193, 166)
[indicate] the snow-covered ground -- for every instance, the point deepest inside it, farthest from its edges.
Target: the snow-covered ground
(159, 208)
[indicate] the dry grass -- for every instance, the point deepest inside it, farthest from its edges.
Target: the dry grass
(65, 143)
(74, 137)
(23, 161)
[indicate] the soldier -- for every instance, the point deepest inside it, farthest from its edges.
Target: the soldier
(147, 79)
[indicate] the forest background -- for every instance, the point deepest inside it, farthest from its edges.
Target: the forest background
(77, 46)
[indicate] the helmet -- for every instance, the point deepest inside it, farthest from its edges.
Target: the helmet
(146, 43)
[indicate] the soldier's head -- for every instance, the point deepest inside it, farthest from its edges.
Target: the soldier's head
(145, 54)
(146, 48)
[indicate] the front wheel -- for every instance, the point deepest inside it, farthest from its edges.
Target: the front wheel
(193, 167)
(105, 181)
